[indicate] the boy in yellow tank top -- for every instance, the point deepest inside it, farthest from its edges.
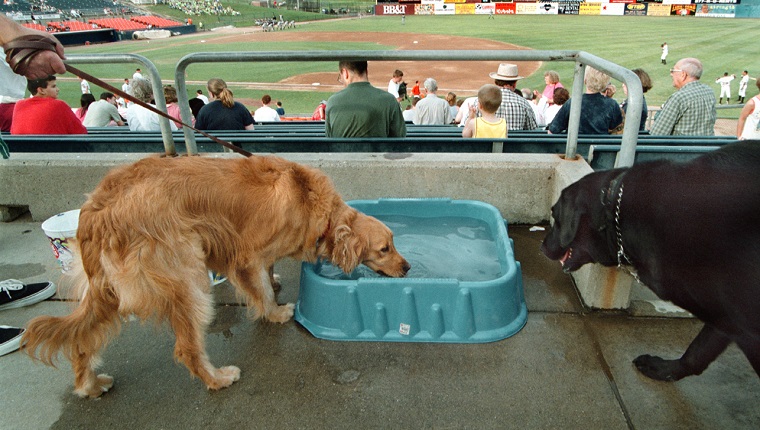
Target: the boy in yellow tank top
(486, 125)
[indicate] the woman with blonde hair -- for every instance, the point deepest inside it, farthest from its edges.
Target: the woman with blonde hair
(599, 114)
(223, 112)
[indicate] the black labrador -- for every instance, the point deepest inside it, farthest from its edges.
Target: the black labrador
(691, 231)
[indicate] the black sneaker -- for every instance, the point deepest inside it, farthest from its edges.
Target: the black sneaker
(15, 294)
(10, 339)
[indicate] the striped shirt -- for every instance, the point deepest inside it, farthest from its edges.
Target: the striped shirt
(690, 111)
(516, 110)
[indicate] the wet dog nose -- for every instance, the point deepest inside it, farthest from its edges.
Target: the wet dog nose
(406, 267)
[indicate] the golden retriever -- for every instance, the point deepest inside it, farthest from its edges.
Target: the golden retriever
(150, 231)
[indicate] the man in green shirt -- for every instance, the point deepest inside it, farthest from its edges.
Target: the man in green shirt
(361, 110)
(689, 111)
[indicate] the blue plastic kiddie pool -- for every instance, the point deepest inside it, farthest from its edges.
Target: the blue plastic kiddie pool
(464, 286)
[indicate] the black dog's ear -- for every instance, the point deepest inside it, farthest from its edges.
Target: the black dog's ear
(570, 208)
(569, 221)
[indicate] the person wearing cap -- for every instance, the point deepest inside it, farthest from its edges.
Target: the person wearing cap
(361, 110)
(514, 108)
(433, 109)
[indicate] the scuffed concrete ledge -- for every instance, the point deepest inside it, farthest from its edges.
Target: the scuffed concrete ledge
(522, 186)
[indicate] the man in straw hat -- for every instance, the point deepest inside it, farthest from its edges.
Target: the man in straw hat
(514, 108)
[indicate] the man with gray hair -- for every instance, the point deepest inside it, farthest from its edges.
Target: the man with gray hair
(138, 117)
(690, 111)
(432, 109)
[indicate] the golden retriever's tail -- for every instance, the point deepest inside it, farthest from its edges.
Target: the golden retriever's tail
(80, 335)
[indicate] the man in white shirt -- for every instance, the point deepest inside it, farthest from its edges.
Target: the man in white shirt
(743, 83)
(140, 118)
(199, 95)
(725, 87)
(393, 84)
(84, 86)
(126, 87)
(137, 75)
(265, 113)
(432, 109)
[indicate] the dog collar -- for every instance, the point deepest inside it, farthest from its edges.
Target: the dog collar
(614, 200)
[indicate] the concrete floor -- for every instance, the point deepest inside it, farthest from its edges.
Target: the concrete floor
(567, 369)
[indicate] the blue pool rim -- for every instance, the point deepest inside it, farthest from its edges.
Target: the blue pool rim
(418, 309)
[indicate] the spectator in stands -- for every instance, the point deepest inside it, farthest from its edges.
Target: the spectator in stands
(551, 78)
(199, 95)
(464, 111)
(103, 112)
(487, 124)
(361, 110)
(451, 99)
(265, 113)
(12, 89)
(514, 108)
(43, 113)
(195, 107)
(535, 100)
(411, 110)
(749, 118)
(280, 110)
(172, 108)
(223, 112)
(610, 91)
(561, 96)
(84, 102)
(319, 111)
(16, 293)
(140, 118)
(42, 63)
(599, 114)
(691, 109)
(646, 85)
(432, 109)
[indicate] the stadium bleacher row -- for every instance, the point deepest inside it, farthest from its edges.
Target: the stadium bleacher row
(599, 150)
(119, 24)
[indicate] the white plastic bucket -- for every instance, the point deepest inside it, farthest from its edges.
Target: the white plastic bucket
(61, 229)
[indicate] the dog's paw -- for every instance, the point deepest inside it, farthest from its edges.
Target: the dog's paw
(658, 368)
(224, 377)
(282, 313)
(102, 384)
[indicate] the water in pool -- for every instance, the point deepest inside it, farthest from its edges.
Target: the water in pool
(442, 247)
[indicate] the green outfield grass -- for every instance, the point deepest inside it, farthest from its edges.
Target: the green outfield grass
(721, 44)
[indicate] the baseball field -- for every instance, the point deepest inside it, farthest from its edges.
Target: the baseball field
(722, 44)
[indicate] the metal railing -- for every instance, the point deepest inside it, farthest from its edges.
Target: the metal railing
(155, 79)
(580, 58)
